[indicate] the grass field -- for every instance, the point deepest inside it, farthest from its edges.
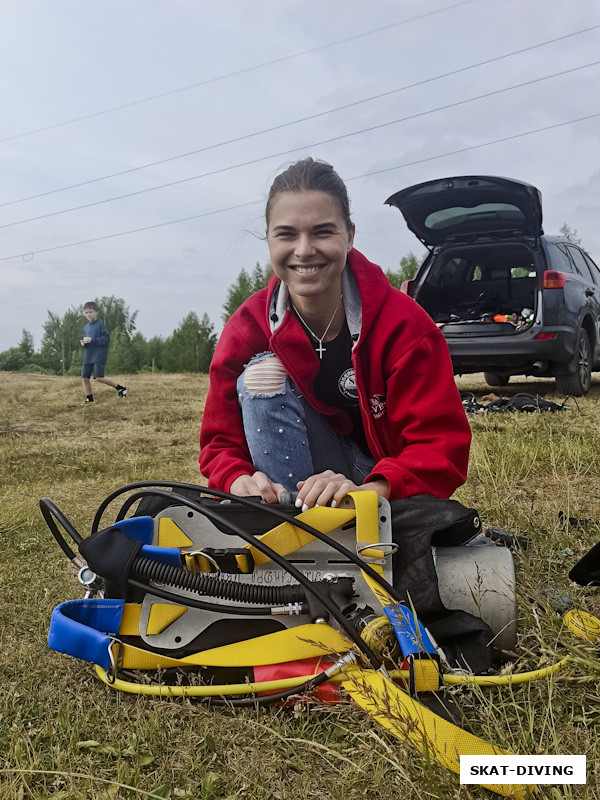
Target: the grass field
(65, 735)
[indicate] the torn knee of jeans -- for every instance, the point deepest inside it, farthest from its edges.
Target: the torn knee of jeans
(265, 378)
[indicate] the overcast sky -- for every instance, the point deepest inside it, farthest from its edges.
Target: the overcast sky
(226, 92)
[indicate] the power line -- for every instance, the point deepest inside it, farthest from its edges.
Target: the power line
(303, 147)
(29, 255)
(242, 71)
(301, 119)
(473, 147)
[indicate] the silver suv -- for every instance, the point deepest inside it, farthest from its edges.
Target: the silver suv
(508, 299)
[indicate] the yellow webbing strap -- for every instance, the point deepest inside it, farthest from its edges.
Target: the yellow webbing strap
(424, 672)
(367, 532)
(287, 538)
(284, 539)
(290, 644)
(429, 733)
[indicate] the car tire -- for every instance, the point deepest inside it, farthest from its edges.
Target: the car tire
(496, 378)
(576, 378)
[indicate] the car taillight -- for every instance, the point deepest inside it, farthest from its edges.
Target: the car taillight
(545, 335)
(554, 280)
(404, 286)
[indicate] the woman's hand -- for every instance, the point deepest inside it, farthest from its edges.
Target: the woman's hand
(319, 490)
(257, 485)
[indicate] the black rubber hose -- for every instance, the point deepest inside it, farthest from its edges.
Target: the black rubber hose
(146, 569)
(263, 700)
(51, 513)
(219, 608)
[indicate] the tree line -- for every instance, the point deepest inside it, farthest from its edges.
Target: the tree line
(189, 348)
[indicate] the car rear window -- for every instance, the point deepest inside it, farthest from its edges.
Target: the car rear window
(496, 214)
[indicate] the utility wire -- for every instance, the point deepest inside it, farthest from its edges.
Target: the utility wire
(29, 254)
(301, 119)
(473, 147)
(242, 71)
(302, 147)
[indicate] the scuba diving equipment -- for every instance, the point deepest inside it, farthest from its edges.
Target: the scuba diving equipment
(481, 581)
(163, 577)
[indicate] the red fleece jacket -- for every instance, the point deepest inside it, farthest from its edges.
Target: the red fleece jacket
(415, 424)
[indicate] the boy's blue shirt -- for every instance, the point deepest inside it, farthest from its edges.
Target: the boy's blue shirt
(96, 352)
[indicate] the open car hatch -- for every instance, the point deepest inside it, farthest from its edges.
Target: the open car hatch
(462, 208)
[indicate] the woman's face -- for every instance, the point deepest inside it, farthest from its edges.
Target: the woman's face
(308, 243)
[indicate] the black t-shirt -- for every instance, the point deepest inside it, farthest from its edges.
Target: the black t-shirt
(335, 383)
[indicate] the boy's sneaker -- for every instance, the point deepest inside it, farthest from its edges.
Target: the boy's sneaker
(122, 390)
(89, 399)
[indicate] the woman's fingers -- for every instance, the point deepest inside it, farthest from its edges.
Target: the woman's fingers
(269, 491)
(259, 485)
(319, 490)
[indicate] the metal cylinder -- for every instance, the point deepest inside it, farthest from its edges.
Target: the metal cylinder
(480, 580)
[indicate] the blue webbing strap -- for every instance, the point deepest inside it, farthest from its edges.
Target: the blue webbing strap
(81, 628)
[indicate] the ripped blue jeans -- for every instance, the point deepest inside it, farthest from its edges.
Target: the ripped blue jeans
(288, 440)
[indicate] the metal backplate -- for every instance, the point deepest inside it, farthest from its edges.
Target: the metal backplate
(316, 560)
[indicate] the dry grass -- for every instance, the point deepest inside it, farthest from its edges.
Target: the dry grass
(64, 735)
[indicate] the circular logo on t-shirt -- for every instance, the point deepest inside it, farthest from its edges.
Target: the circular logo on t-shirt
(347, 384)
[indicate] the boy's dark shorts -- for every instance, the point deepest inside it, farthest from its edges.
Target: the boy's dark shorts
(95, 368)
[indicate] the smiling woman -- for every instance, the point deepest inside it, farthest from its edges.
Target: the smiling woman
(329, 380)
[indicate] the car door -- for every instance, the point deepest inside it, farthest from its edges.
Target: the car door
(590, 276)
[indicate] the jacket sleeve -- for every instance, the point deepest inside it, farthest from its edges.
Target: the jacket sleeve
(103, 337)
(224, 455)
(425, 434)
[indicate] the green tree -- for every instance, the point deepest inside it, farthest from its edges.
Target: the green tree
(75, 363)
(12, 360)
(244, 286)
(570, 233)
(154, 348)
(408, 268)
(179, 349)
(26, 347)
(116, 314)
(121, 354)
(207, 341)
(61, 339)
(139, 347)
(191, 346)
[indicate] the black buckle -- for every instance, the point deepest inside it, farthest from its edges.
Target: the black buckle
(223, 559)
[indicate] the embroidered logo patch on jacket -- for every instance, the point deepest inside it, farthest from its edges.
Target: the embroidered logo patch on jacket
(377, 403)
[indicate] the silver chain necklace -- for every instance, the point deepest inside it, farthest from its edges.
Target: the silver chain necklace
(320, 349)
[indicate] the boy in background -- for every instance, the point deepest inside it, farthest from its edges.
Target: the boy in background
(95, 341)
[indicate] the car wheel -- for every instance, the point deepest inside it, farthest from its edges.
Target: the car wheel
(496, 378)
(576, 378)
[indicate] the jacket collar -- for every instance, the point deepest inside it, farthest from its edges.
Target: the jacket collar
(279, 297)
